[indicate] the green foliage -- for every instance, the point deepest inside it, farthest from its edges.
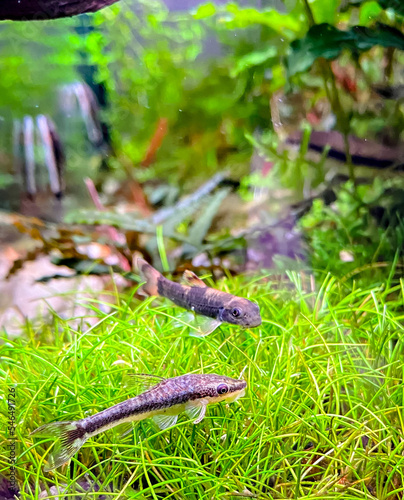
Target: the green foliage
(321, 412)
(323, 409)
(35, 58)
(188, 225)
(283, 24)
(396, 5)
(254, 59)
(325, 12)
(147, 70)
(369, 11)
(328, 42)
(361, 230)
(155, 68)
(203, 223)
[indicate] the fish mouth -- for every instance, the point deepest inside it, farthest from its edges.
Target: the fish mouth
(254, 324)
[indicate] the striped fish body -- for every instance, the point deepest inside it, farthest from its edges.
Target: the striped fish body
(190, 393)
(169, 396)
(197, 297)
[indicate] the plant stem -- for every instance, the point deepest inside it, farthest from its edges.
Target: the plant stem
(333, 98)
(342, 119)
(309, 13)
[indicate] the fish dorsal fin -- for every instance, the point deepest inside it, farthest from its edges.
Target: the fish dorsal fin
(165, 421)
(141, 382)
(203, 326)
(191, 279)
(196, 410)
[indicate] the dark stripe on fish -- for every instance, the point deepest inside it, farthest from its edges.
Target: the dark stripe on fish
(169, 393)
(163, 402)
(143, 403)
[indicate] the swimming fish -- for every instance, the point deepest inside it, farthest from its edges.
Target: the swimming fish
(196, 296)
(163, 402)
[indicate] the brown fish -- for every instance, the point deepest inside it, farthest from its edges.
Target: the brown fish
(196, 296)
(163, 400)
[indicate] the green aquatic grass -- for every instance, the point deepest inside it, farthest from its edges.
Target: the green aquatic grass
(323, 416)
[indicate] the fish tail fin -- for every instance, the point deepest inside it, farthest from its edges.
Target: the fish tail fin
(70, 438)
(149, 274)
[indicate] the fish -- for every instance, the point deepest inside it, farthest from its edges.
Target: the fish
(163, 400)
(216, 306)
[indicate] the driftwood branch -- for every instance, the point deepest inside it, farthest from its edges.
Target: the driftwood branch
(38, 10)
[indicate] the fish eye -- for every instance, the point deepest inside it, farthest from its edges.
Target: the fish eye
(236, 312)
(222, 389)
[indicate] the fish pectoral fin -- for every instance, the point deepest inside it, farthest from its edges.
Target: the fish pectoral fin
(191, 279)
(141, 382)
(196, 410)
(204, 326)
(183, 319)
(165, 421)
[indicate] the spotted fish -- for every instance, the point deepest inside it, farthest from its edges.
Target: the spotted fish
(216, 306)
(163, 401)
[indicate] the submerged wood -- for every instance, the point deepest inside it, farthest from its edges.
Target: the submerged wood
(40, 10)
(363, 151)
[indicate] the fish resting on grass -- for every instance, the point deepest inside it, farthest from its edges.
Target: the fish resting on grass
(216, 306)
(163, 401)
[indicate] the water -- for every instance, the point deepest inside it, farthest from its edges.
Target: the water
(233, 140)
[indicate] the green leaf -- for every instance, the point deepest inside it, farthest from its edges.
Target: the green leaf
(205, 10)
(323, 40)
(126, 222)
(242, 18)
(254, 59)
(369, 11)
(325, 12)
(202, 225)
(180, 216)
(383, 35)
(396, 5)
